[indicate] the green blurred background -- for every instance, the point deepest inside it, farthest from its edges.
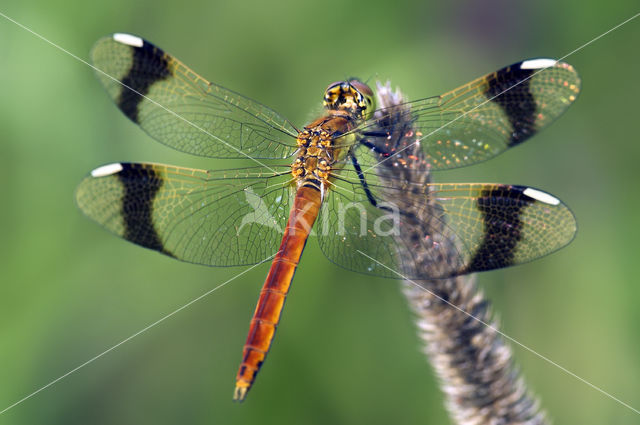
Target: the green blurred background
(346, 351)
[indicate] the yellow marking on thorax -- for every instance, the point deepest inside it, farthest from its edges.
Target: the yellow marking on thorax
(315, 156)
(317, 153)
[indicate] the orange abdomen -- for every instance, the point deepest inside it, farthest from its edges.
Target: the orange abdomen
(267, 315)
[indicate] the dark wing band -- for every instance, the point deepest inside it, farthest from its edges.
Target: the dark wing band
(177, 107)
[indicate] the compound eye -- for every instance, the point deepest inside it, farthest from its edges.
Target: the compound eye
(361, 87)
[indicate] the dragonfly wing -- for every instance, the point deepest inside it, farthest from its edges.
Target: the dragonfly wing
(179, 108)
(221, 218)
(485, 117)
(501, 225)
(355, 234)
(438, 230)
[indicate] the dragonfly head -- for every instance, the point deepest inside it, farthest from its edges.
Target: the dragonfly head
(352, 96)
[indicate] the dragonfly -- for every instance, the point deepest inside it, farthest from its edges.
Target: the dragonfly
(322, 179)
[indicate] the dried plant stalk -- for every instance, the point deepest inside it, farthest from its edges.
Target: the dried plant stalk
(474, 365)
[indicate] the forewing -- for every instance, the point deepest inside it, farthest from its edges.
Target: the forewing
(483, 118)
(179, 108)
(221, 218)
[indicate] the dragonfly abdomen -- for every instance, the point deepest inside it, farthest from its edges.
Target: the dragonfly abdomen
(274, 291)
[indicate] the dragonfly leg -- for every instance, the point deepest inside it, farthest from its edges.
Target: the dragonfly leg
(373, 146)
(365, 186)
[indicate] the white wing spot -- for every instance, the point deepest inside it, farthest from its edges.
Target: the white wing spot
(107, 170)
(541, 196)
(538, 63)
(128, 39)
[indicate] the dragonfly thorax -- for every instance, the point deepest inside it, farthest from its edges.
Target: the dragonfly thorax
(315, 156)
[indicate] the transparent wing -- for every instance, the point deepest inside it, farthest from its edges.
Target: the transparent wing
(221, 218)
(483, 118)
(438, 230)
(177, 107)
(356, 235)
